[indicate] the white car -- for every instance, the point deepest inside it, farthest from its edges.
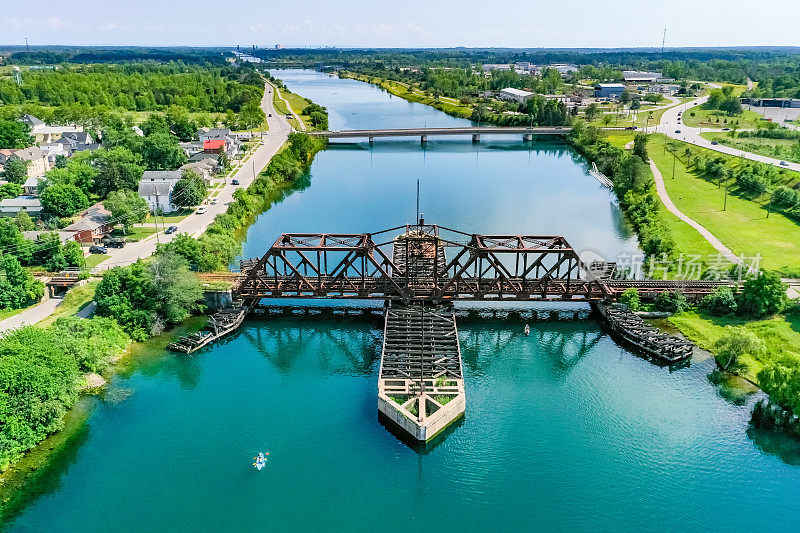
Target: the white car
(201, 210)
(214, 200)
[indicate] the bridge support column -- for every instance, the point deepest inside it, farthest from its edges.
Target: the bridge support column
(371, 140)
(527, 136)
(476, 137)
(423, 139)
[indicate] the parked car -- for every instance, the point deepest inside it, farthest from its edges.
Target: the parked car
(784, 164)
(677, 131)
(171, 229)
(116, 243)
(214, 200)
(234, 182)
(714, 142)
(201, 210)
(98, 250)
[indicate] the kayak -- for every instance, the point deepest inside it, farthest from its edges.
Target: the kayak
(261, 461)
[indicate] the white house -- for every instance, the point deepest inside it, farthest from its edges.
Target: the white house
(161, 176)
(515, 95)
(45, 133)
(12, 206)
(31, 185)
(158, 195)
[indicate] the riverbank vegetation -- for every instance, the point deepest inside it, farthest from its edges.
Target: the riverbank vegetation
(40, 373)
(313, 116)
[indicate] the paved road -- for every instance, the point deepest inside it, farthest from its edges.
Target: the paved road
(195, 224)
(32, 315)
(671, 123)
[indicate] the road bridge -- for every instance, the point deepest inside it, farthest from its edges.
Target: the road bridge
(528, 133)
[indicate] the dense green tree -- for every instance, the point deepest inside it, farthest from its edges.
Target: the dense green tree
(640, 146)
(10, 190)
(721, 302)
(780, 379)
(762, 296)
(15, 134)
(17, 287)
(630, 297)
(63, 200)
(24, 221)
(592, 110)
(671, 302)
(185, 246)
(631, 174)
(190, 190)
(179, 290)
(15, 171)
(735, 342)
(118, 168)
(128, 295)
(161, 151)
(252, 115)
(126, 207)
(155, 123)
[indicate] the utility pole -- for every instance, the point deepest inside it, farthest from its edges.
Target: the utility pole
(155, 215)
(725, 205)
(674, 158)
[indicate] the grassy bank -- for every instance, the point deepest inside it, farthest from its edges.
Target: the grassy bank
(699, 117)
(742, 225)
(780, 334)
(778, 148)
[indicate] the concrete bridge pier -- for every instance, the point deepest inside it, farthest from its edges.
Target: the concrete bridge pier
(371, 139)
(527, 136)
(476, 137)
(423, 139)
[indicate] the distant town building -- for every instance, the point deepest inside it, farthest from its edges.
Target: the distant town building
(608, 90)
(515, 95)
(496, 66)
(772, 102)
(635, 76)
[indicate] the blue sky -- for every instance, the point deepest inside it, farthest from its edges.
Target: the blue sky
(412, 23)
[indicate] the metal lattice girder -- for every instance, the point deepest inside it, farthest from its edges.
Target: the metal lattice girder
(413, 265)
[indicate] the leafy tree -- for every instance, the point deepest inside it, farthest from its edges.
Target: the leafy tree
(15, 170)
(10, 190)
(625, 97)
(91, 342)
(185, 246)
(155, 124)
(301, 146)
(24, 221)
(640, 146)
(762, 296)
(721, 302)
(15, 134)
(160, 151)
(780, 379)
(671, 302)
(118, 169)
(636, 104)
(78, 172)
(126, 207)
(218, 251)
(735, 342)
(252, 115)
(18, 288)
(63, 200)
(630, 297)
(128, 295)
(189, 190)
(631, 174)
(178, 288)
(592, 110)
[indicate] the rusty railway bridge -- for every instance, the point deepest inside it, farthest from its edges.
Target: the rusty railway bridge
(419, 271)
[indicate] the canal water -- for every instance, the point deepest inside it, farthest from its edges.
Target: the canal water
(564, 430)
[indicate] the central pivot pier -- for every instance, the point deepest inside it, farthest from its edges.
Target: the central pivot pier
(421, 385)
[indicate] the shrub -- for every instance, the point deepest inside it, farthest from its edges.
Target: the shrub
(762, 296)
(630, 297)
(671, 302)
(734, 343)
(721, 302)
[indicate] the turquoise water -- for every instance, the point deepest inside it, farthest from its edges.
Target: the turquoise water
(564, 430)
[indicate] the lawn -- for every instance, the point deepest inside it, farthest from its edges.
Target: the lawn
(92, 260)
(780, 333)
(743, 226)
(712, 118)
(76, 299)
(171, 218)
(778, 148)
(136, 233)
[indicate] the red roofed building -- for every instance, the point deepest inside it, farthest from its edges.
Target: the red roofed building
(214, 146)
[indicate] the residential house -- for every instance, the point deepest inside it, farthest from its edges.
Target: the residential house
(77, 141)
(52, 151)
(231, 141)
(12, 206)
(214, 146)
(33, 155)
(63, 236)
(45, 133)
(94, 224)
(31, 185)
(158, 195)
(207, 168)
(161, 176)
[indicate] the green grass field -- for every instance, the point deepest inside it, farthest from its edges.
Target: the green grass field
(92, 260)
(171, 218)
(136, 233)
(780, 333)
(743, 226)
(777, 148)
(711, 118)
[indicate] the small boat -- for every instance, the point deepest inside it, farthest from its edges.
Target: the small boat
(527, 330)
(261, 461)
